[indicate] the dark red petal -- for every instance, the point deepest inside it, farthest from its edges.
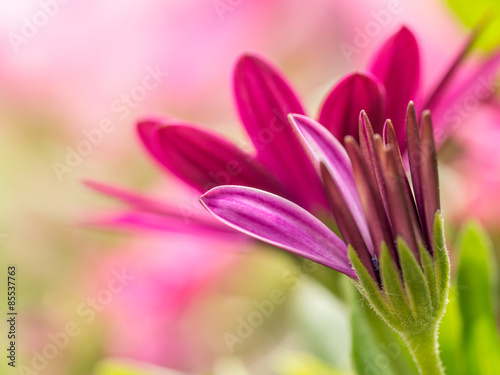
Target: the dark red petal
(371, 157)
(378, 223)
(415, 160)
(391, 141)
(429, 175)
(403, 224)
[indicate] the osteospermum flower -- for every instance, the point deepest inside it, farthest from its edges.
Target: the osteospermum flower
(392, 231)
(203, 159)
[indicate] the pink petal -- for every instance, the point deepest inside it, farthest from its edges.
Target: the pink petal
(279, 222)
(436, 94)
(148, 134)
(397, 66)
(341, 108)
(264, 100)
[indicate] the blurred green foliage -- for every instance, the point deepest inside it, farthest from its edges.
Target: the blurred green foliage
(480, 12)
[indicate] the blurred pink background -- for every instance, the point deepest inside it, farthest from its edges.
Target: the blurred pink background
(73, 72)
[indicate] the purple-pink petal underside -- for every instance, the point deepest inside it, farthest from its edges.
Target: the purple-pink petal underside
(397, 66)
(323, 147)
(264, 100)
(341, 108)
(203, 159)
(279, 222)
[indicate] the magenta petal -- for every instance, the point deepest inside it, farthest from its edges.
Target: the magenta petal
(150, 221)
(322, 147)
(264, 100)
(435, 95)
(397, 66)
(148, 133)
(478, 84)
(356, 92)
(175, 216)
(279, 222)
(205, 160)
(135, 200)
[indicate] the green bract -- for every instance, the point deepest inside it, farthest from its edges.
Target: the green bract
(411, 297)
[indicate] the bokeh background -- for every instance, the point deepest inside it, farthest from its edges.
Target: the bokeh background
(62, 74)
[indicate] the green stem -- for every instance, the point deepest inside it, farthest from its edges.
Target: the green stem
(425, 352)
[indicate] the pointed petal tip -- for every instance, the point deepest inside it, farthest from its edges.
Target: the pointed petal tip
(296, 117)
(245, 58)
(405, 32)
(340, 111)
(145, 126)
(147, 130)
(213, 191)
(202, 199)
(151, 123)
(411, 106)
(99, 186)
(350, 140)
(249, 56)
(404, 29)
(87, 182)
(426, 113)
(250, 61)
(295, 120)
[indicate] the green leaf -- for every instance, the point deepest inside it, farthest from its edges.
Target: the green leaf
(416, 285)
(472, 14)
(480, 333)
(128, 367)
